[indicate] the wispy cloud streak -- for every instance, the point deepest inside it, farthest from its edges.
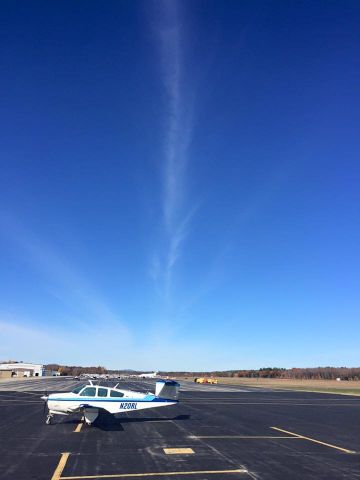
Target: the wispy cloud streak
(179, 112)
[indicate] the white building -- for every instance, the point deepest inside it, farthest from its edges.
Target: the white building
(22, 369)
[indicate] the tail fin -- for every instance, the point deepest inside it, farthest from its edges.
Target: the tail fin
(167, 389)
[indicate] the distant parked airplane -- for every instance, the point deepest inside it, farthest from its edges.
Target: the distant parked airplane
(148, 375)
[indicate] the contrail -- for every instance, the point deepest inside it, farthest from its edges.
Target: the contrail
(176, 213)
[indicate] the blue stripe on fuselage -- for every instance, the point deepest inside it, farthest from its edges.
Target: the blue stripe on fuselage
(119, 399)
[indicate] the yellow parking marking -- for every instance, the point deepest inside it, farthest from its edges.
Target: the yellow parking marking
(313, 440)
(158, 474)
(178, 451)
(61, 466)
(79, 427)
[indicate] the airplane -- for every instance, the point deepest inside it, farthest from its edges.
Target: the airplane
(89, 399)
(147, 375)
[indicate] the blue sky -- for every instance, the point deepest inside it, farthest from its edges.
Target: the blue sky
(179, 183)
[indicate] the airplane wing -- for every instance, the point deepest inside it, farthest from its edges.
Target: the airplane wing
(98, 406)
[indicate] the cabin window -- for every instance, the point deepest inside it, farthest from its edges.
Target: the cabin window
(114, 393)
(78, 389)
(102, 392)
(88, 392)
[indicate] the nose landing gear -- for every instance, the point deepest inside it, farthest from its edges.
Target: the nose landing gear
(48, 419)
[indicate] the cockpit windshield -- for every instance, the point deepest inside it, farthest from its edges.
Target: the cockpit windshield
(77, 389)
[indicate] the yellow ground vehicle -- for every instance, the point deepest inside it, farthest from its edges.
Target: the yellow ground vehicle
(205, 380)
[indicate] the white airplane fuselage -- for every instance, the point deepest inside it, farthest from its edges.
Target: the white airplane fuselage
(89, 399)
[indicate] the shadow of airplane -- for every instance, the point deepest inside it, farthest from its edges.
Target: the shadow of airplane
(109, 423)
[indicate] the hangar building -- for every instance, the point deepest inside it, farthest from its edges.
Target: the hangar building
(21, 369)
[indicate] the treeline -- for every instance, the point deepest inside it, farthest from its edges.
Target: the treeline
(318, 373)
(74, 370)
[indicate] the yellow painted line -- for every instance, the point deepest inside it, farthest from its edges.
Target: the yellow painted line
(79, 427)
(178, 451)
(158, 474)
(313, 440)
(61, 466)
(244, 436)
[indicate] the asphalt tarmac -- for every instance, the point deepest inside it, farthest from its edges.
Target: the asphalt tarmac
(218, 432)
